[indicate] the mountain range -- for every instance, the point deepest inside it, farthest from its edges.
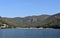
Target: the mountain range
(41, 21)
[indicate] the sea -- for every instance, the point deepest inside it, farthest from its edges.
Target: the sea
(29, 33)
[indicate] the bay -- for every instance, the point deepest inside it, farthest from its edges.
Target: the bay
(29, 33)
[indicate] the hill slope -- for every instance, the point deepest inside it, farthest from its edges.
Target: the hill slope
(41, 21)
(53, 21)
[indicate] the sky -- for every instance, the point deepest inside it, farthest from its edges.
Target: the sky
(22, 8)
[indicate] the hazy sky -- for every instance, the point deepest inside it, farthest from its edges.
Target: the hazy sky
(21, 8)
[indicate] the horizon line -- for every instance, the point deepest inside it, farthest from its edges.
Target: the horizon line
(27, 15)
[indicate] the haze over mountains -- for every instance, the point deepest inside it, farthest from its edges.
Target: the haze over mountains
(40, 20)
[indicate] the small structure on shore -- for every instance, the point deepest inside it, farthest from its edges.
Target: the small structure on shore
(4, 26)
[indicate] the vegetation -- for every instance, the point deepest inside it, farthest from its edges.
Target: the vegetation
(45, 21)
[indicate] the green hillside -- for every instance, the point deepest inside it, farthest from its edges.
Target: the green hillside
(46, 21)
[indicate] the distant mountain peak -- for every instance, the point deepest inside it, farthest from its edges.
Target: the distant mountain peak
(57, 14)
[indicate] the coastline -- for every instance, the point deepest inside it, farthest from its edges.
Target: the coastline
(29, 28)
(33, 28)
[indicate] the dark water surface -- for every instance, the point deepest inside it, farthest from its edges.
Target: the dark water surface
(29, 33)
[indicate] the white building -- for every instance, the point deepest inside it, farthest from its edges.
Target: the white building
(4, 26)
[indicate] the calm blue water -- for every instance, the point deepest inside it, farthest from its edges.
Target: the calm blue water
(29, 33)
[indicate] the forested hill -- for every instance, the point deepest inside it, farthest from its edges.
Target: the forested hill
(41, 21)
